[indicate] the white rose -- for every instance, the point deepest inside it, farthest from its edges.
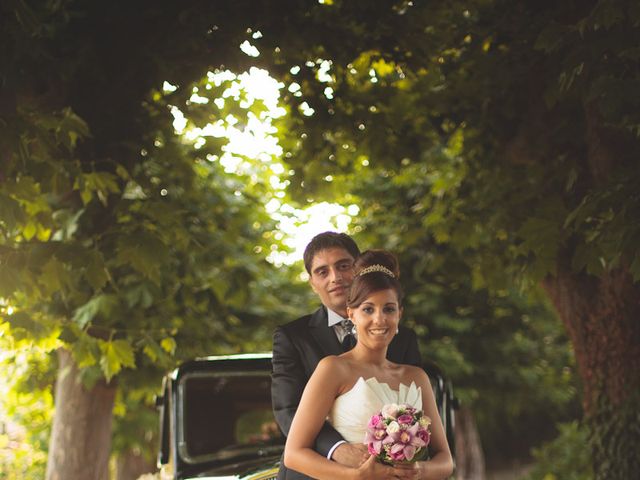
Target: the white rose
(390, 410)
(393, 427)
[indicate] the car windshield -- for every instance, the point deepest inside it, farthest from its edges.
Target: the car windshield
(226, 415)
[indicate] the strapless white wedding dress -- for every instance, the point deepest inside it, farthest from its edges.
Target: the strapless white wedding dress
(352, 410)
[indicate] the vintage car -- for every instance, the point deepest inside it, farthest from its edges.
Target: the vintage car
(216, 420)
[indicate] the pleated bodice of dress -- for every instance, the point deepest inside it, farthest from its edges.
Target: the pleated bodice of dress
(352, 410)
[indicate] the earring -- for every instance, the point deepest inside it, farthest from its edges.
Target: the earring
(397, 331)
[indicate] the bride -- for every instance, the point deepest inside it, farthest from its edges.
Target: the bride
(348, 389)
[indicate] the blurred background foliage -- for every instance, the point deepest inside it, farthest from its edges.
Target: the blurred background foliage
(457, 128)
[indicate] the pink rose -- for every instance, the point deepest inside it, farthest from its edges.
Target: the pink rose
(375, 421)
(397, 456)
(405, 419)
(424, 435)
(404, 408)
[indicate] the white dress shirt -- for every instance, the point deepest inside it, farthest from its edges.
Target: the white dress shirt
(335, 321)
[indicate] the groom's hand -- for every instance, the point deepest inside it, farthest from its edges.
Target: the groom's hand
(350, 454)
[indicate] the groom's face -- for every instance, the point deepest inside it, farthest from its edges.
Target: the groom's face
(331, 277)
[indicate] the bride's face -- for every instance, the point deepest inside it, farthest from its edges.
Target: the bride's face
(376, 318)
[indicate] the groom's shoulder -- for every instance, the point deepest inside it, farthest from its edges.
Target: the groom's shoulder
(297, 324)
(300, 324)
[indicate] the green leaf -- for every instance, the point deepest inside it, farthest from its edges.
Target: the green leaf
(69, 334)
(115, 355)
(95, 272)
(10, 212)
(68, 223)
(140, 295)
(86, 351)
(144, 252)
(24, 321)
(9, 280)
(71, 128)
(109, 362)
(540, 236)
(29, 230)
(85, 196)
(99, 305)
(122, 172)
(55, 277)
(168, 345)
(124, 351)
(152, 350)
(99, 183)
(157, 353)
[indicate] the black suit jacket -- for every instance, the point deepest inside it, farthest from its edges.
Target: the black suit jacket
(298, 346)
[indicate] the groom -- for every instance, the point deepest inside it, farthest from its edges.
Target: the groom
(298, 346)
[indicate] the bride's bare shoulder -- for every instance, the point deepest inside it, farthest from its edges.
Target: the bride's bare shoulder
(333, 364)
(332, 374)
(415, 374)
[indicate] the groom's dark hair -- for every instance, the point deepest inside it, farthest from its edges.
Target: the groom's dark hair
(325, 241)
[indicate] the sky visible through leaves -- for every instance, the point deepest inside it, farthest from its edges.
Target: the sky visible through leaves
(256, 140)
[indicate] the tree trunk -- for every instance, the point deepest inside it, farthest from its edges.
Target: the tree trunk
(469, 454)
(132, 465)
(81, 435)
(602, 317)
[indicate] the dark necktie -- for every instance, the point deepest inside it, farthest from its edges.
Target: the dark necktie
(349, 339)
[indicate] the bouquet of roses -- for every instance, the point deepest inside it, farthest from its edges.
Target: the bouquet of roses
(398, 433)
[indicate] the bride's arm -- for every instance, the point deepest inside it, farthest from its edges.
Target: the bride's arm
(440, 465)
(318, 397)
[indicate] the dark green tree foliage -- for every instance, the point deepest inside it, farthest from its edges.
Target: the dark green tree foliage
(506, 352)
(112, 227)
(566, 457)
(511, 126)
(116, 236)
(518, 124)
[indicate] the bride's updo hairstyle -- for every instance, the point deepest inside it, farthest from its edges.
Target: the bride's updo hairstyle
(374, 270)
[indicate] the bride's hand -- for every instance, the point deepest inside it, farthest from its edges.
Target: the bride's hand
(371, 469)
(409, 471)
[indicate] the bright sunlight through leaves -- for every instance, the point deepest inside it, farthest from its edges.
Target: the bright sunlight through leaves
(255, 140)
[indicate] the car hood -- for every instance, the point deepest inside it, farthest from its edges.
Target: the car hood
(265, 468)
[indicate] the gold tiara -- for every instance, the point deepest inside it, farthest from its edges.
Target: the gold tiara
(376, 268)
